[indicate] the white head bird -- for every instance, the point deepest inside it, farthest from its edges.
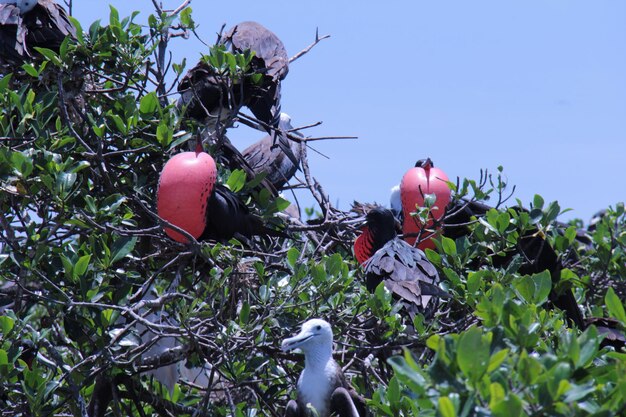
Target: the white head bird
(322, 384)
(25, 6)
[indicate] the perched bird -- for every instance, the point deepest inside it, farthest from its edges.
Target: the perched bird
(189, 197)
(278, 166)
(536, 252)
(386, 258)
(26, 24)
(207, 94)
(322, 383)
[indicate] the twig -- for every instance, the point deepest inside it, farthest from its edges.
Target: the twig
(311, 46)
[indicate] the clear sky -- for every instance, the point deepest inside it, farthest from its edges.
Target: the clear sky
(537, 86)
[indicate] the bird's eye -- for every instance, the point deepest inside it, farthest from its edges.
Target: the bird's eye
(318, 327)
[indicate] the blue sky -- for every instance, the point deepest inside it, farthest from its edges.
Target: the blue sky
(538, 87)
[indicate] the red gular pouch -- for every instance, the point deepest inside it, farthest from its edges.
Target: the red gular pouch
(419, 183)
(185, 185)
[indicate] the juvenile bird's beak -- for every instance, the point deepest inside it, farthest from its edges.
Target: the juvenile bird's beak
(296, 341)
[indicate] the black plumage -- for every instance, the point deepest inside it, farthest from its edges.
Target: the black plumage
(535, 251)
(24, 27)
(228, 217)
(206, 94)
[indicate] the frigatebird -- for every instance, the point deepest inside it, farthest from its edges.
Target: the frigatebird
(26, 24)
(188, 196)
(278, 166)
(386, 258)
(322, 384)
(207, 94)
(536, 252)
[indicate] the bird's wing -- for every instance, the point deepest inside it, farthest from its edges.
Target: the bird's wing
(271, 59)
(265, 44)
(228, 217)
(12, 34)
(272, 160)
(405, 271)
(260, 155)
(48, 25)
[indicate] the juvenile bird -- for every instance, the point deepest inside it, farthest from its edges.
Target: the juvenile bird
(322, 384)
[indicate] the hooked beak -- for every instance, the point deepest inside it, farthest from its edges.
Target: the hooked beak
(296, 341)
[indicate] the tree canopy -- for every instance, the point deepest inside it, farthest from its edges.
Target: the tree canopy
(98, 303)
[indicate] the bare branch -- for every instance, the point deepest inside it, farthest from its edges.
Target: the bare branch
(308, 48)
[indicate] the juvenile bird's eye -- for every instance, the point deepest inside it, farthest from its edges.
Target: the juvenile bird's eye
(318, 327)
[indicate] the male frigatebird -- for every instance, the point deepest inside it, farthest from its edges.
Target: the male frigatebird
(208, 95)
(405, 270)
(322, 383)
(536, 252)
(188, 196)
(278, 166)
(26, 24)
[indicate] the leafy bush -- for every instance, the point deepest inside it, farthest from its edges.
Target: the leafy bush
(90, 283)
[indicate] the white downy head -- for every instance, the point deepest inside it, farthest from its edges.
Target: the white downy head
(26, 5)
(315, 340)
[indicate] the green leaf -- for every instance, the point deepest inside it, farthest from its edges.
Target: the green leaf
(30, 70)
(65, 181)
(589, 344)
(122, 247)
(22, 163)
(149, 103)
(185, 17)
(244, 315)
(511, 407)
(474, 280)
(496, 394)
(496, 359)
(50, 55)
(81, 266)
(165, 134)
(393, 391)
(615, 306)
(293, 255)
(6, 324)
(503, 221)
(472, 354)
(237, 180)
(79, 30)
(449, 247)
(538, 202)
(4, 82)
(535, 288)
(446, 408)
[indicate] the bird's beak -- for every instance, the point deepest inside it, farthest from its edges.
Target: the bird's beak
(296, 341)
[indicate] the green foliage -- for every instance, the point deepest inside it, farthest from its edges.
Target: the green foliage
(90, 279)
